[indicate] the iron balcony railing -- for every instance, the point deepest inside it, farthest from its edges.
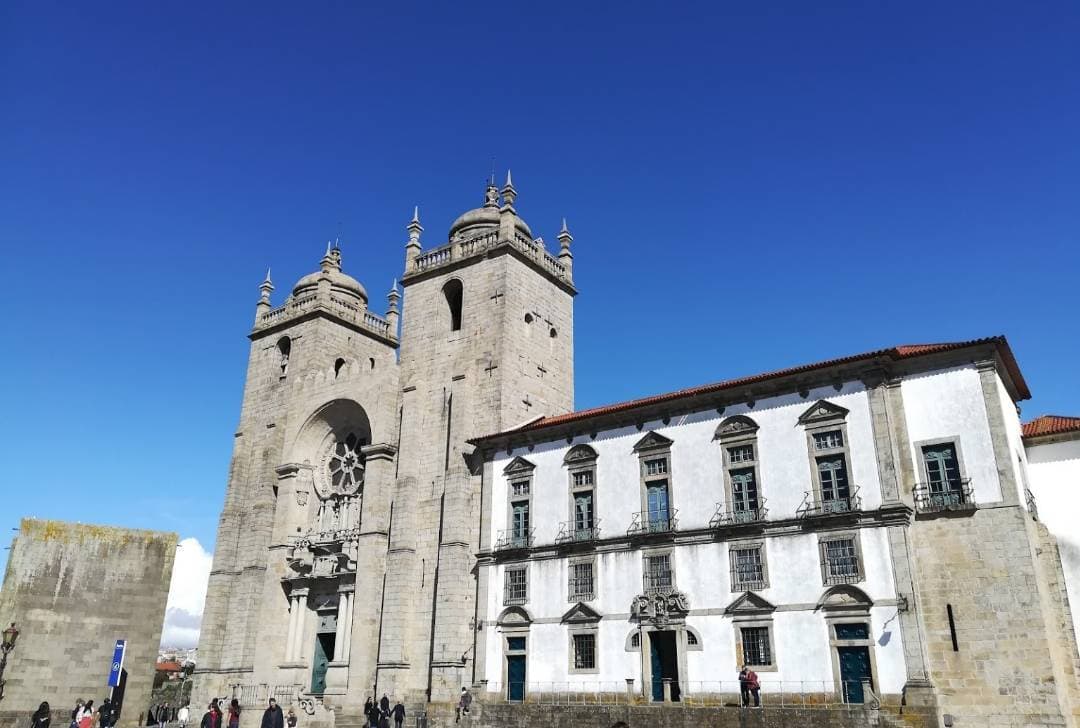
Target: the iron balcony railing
(646, 522)
(811, 506)
(949, 496)
(575, 532)
(738, 515)
(514, 539)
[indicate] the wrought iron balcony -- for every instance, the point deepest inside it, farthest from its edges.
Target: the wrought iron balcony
(646, 522)
(573, 532)
(738, 516)
(811, 506)
(514, 539)
(937, 497)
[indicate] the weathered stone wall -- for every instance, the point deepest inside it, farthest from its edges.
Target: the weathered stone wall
(1003, 672)
(73, 590)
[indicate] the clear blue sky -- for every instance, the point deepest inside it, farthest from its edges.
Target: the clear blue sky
(750, 186)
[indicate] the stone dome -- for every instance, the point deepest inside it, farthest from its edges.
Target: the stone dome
(341, 284)
(483, 219)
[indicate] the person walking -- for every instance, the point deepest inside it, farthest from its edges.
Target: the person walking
(163, 715)
(749, 685)
(272, 717)
(75, 713)
(212, 717)
(105, 714)
(384, 705)
(85, 718)
(234, 714)
(183, 716)
(399, 714)
(463, 704)
(290, 719)
(41, 717)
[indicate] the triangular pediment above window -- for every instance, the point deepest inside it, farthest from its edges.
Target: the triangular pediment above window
(579, 454)
(581, 613)
(845, 597)
(519, 466)
(652, 441)
(514, 617)
(736, 426)
(822, 411)
(749, 603)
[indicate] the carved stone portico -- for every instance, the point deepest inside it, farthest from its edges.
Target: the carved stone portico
(658, 615)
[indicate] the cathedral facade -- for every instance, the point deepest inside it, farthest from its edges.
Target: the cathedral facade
(410, 513)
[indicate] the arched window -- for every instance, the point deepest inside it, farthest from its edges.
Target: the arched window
(453, 292)
(284, 347)
(337, 367)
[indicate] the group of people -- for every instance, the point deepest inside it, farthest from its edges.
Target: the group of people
(83, 715)
(378, 714)
(272, 717)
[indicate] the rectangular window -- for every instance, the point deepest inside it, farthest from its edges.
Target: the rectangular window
(755, 646)
(830, 440)
(744, 491)
(840, 560)
(741, 454)
(515, 644)
(583, 512)
(519, 488)
(658, 574)
(583, 478)
(519, 527)
(747, 568)
(942, 468)
(581, 581)
(515, 587)
(833, 476)
(852, 631)
(659, 513)
(657, 466)
(585, 652)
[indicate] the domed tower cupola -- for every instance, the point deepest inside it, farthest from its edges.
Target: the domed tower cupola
(486, 218)
(339, 284)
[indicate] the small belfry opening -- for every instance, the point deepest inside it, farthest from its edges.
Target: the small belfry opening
(284, 347)
(337, 367)
(453, 292)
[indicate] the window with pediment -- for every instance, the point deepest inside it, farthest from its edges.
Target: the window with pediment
(743, 500)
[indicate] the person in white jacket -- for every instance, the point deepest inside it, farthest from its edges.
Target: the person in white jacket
(182, 716)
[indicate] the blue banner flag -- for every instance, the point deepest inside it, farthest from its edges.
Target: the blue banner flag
(117, 663)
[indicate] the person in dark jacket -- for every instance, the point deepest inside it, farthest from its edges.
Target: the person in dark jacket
(105, 714)
(41, 717)
(234, 714)
(399, 714)
(384, 704)
(212, 717)
(272, 716)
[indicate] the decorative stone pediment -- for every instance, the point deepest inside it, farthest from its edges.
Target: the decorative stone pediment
(749, 604)
(579, 454)
(581, 614)
(519, 466)
(514, 617)
(652, 441)
(822, 411)
(660, 609)
(736, 426)
(845, 597)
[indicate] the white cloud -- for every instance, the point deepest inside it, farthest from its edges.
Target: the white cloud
(187, 593)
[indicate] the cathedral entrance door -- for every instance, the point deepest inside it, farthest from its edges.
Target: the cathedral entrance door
(324, 649)
(664, 663)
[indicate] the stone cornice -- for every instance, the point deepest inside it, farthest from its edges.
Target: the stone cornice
(320, 311)
(504, 247)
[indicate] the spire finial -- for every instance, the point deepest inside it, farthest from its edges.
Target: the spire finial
(508, 192)
(414, 227)
(565, 238)
(416, 213)
(265, 289)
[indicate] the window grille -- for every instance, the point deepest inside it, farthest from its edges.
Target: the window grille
(741, 454)
(583, 478)
(840, 561)
(515, 587)
(747, 568)
(585, 652)
(755, 645)
(656, 467)
(658, 574)
(830, 440)
(691, 638)
(581, 581)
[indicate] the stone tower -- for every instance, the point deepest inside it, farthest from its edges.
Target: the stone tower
(487, 343)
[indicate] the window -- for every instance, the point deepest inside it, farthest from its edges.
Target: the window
(580, 461)
(515, 644)
(656, 515)
(657, 466)
(840, 562)
(658, 576)
(518, 529)
(744, 492)
(284, 347)
(659, 510)
(741, 454)
(583, 479)
(337, 367)
(583, 511)
(584, 651)
(833, 477)
(756, 646)
(581, 581)
(857, 631)
(519, 488)
(942, 468)
(748, 567)
(453, 292)
(744, 504)
(519, 523)
(828, 440)
(635, 640)
(691, 639)
(515, 586)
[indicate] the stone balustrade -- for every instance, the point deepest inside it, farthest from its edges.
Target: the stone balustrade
(460, 249)
(343, 309)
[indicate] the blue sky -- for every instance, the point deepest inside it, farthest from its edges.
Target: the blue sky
(750, 186)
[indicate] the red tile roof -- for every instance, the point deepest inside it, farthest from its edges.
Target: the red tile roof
(1051, 425)
(906, 351)
(168, 667)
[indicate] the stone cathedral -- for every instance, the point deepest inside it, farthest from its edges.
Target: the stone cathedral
(346, 547)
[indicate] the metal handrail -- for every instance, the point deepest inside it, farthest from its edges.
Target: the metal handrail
(570, 533)
(811, 507)
(734, 517)
(956, 495)
(514, 539)
(645, 522)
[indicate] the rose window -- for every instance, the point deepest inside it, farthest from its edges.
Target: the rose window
(346, 465)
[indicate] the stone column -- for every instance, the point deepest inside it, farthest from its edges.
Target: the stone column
(298, 637)
(995, 418)
(348, 597)
(290, 642)
(340, 653)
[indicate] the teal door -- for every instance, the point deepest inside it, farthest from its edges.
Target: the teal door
(324, 647)
(664, 663)
(515, 678)
(854, 668)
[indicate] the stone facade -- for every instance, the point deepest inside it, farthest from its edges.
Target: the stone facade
(73, 590)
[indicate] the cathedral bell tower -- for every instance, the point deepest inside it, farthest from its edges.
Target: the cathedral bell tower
(486, 344)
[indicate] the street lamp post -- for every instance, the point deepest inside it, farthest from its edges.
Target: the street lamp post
(10, 635)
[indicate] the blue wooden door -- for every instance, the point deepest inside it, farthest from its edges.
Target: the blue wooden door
(854, 668)
(657, 668)
(515, 678)
(659, 513)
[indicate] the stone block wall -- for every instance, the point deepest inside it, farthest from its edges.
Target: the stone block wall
(74, 589)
